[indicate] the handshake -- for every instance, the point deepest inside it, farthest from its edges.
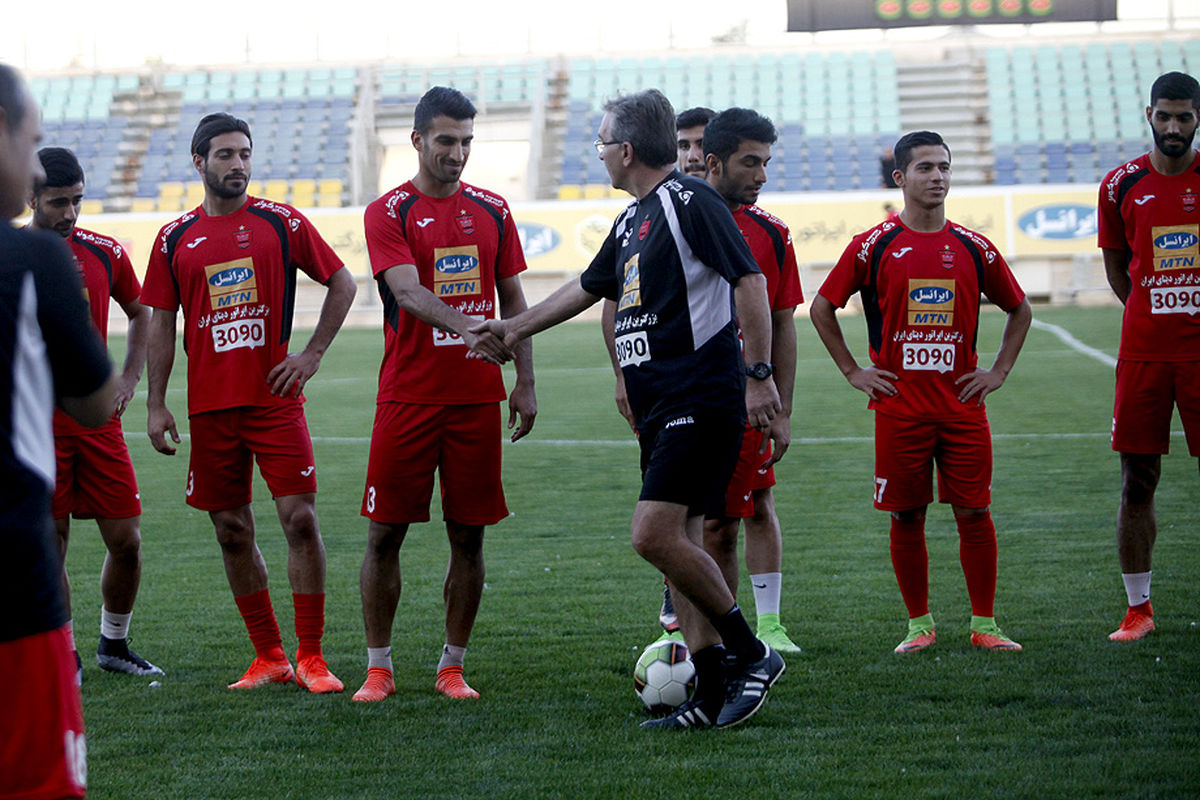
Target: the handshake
(491, 340)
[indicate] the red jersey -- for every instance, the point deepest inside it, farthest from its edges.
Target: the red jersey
(235, 276)
(771, 243)
(1155, 218)
(920, 294)
(106, 272)
(461, 246)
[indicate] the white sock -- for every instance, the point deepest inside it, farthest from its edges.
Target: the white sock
(451, 657)
(1137, 587)
(379, 657)
(114, 626)
(767, 587)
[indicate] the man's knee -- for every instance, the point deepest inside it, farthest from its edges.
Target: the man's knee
(1139, 478)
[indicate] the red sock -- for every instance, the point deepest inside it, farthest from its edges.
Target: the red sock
(910, 560)
(977, 552)
(259, 616)
(310, 623)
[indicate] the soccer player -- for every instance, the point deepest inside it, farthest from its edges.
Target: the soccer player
(231, 264)
(675, 263)
(920, 277)
(47, 347)
(1151, 239)
(689, 138)
(95, 476)
(737, 147)
(444, 252)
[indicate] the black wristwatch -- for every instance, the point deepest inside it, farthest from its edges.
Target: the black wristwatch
(760, 371)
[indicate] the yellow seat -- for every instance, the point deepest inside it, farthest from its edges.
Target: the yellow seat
(255, 187)
(276, 190)
(569, 192)
(304, 186)
(169, 203)
(170, 189)
(91, 207)
(304, 199)
(329, 201)
(193, 195)
(142, 205)
(331, 186)
(595, 191)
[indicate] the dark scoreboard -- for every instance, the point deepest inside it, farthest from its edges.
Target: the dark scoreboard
(826, 15)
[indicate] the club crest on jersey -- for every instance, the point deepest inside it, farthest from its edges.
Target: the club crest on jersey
(456, 271)
(1175, 246)
(631, 291)
(242, 236)
(466, 223)
(231, 283)
(930, 301)
(1188, 198)
(947, 257)
(644, 229)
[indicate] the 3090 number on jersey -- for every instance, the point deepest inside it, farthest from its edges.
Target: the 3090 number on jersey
(1175, 300)
(938, 357)
(632, 348)
(244, 333)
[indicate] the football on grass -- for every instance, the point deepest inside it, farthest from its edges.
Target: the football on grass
(664, 676)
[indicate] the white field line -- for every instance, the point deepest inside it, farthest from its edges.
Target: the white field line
(1070, 341)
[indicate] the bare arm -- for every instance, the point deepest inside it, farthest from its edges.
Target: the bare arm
(135, 353)
(783, 355)
(160, 357)
(754, 319)
(983, 382)
(869, 380)
(608, 317)
(567, 301)
(287, 378)
(522, 401)
(95, 409)
(1116, 268)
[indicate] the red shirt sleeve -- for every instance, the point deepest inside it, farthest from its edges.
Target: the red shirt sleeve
(160, 290)
(510, 258)
(848, 275)
(125, 286)
(386, 245)
(1110, 233)
(312, 253)
(788, 294)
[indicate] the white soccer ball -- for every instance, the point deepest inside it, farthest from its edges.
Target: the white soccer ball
(664, 676)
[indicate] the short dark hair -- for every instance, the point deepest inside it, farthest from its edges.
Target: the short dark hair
(1175, 86)
(647, 121)
(726, 132)
(903, 149)
(13, 96)
(215, 125)
(61, 168)
(694, 117)
(441, 101)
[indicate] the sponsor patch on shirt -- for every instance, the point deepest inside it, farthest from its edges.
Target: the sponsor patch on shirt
(1175, 246)
(930, 301)
(456, 271)
(231, 283)
(631, 292)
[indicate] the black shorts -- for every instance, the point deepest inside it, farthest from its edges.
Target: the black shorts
(688, 458)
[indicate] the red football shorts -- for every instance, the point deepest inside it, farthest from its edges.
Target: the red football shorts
(906, 450)
(1146, 393)
(42, 749)
(411, 441)
(95, 476)
(224, 443)
(748, 476)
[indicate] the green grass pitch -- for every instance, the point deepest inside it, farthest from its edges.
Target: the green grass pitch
(568, 607)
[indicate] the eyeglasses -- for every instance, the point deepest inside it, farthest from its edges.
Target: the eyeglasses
(600, 144)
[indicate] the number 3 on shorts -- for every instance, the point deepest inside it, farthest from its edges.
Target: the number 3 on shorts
(880, 484)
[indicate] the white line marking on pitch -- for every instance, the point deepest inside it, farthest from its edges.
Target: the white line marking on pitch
(1070, 341)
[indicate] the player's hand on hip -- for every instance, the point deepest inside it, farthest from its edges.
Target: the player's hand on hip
(522, 402)
(779, 435)
(159, 423)
(762, 403)
(287, 378)
(873, 381)
(981, 382)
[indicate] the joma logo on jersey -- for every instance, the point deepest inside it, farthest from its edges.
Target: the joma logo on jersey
(631, 292)
(231, 283)
(930, 301)
(456, 271)
(1175, 246)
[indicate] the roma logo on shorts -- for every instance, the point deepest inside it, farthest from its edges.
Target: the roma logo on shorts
(231, 283)
(456, 271)
(631, 292)
(1175, 246)
(931, 301)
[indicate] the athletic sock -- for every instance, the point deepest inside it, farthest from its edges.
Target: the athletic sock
(310, 623)
(114, 626)
(977, 552)
(380, 657)
(921, 624)
(710, 679)
(767, 588)
(910, 561)
(740, 642)
(1137, 587)
(451, 656)
(259, 616)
